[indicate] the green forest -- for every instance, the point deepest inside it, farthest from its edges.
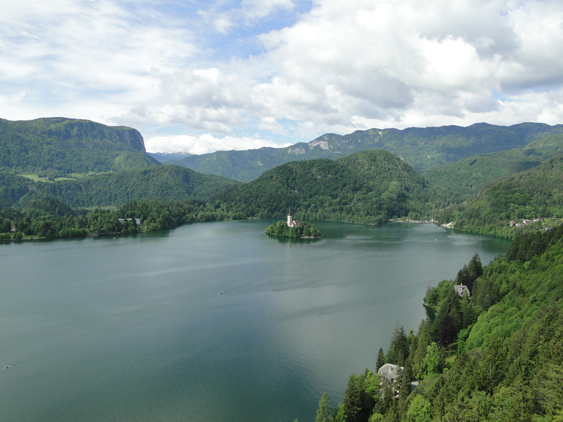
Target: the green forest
(50, 218)
(167, 183)
(57, 147)
(467, 176)
(366, 187)
(533, 194)
(496, 356)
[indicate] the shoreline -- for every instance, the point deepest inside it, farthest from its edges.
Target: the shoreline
(431, 221)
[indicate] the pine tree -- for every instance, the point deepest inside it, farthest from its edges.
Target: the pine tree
(323, 412)
(399, 348)
(380, 359)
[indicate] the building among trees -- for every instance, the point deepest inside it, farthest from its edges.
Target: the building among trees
(291, 222)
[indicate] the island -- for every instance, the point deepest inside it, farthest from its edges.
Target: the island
(293, 228)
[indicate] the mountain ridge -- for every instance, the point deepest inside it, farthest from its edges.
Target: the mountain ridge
(422, 148)
(59, 146)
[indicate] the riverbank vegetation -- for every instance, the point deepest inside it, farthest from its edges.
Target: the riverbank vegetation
(497, 356)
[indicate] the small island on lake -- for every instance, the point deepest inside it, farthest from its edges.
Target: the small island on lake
(293, 228)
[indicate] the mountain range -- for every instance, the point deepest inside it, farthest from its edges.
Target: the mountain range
(422, 148)
(108, 166)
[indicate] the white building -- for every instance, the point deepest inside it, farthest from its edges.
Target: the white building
(461, 289)
(291, 222)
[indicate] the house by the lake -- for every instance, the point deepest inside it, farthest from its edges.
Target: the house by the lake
(460, 289)
(389, 371)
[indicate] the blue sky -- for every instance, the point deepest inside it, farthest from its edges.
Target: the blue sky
(201, 76)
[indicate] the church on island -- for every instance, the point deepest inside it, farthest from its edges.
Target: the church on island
(291, 222)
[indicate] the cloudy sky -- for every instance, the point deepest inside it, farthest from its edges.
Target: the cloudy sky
(200, 76)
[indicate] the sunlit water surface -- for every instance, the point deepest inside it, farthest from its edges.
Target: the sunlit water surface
(135, 329)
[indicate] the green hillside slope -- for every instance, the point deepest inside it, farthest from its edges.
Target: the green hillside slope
(496, 357)
(168, 183)
(535, 193)
(366, 187)
(422, 148)
(59, 146)
(465, 177)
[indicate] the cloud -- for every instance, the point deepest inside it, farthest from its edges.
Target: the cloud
(253, 10)
(78, 52)
(335, 67)
(349, 66)
(205, 143)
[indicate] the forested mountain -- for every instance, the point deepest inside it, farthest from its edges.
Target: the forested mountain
(496, 357)
(60, 146)
(467, 176)
(535, 193)
(366, 187)
(168, 183)
(422, 148)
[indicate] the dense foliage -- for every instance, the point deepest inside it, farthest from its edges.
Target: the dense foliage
(422, 148)
(58, 146)
(168, 183)
(496, 357)
(50, 218)
(366, 187)
(467, 176)
(304, 229)
(536, 193)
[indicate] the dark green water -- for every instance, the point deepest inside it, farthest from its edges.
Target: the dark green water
(134, 329)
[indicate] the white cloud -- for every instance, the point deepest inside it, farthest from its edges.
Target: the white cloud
(341, 66)
(73, 53)
(351, 65)
(223, 24)
(253, 10)
(205, 143)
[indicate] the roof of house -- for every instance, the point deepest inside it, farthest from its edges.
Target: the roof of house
(389, 371)
(461, 289)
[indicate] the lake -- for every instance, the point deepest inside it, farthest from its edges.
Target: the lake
(136, 329)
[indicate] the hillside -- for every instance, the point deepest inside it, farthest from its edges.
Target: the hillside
(465, 177)
(366, 187)
(496, 357)
(59, 146)
(422, 148)
(535, 193)
(167, 183)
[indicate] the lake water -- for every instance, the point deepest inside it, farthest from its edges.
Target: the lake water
(135, 329)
